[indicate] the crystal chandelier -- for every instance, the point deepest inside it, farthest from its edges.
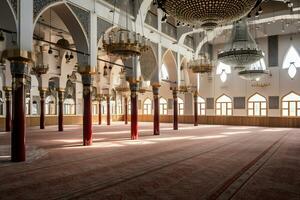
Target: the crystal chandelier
(207, 13)
(241, 50)
(124, 42)
(254, 72)
(124, 85)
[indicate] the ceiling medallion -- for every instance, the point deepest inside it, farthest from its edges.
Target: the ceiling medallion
(207, 13)
(241, 49)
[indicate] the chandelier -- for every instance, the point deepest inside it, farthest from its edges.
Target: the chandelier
(124, 42)
(253, 75)
(39, 69)
(207, 13)
(124, 86)
(241, 50)
(143, 86)
(254, 72)
(202, 65)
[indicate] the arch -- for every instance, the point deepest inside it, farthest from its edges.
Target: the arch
(147, 107)
(149, 63)
(290, 105)
(76, 30)
(170, 62)
(163, 106)
(50, 105)
(257, 105)
(291, 61)
(224, 105)
(8, 19)
(69, 106)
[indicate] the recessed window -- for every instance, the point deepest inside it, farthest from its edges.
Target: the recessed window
(69, 106)
(180, 106)
(147, 107)
(163, 106)
(95, 107)
(201, 106)
(50, 106)
(257, 105)
(224, 106)
(291, 105)
(291, 62)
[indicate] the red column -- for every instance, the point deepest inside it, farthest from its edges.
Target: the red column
(100, 113)
(156, 111)
(195, 109)
(108, 109)
(60, 110)
(175, 110)
(42, 105)
(8, 109)
(87, 109)
(126, 110)
(134, 111)
(19, 66)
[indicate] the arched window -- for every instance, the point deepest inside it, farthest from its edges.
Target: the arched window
(129, 106)
(34, 110)
(50, 105)
(104, 107)
(291, 61)
(119, 107)
(164, 72)
(69, 106)
(257, 105)
(180, 106)
(27, 101)
(163, 106)
(201, 106)
(224, 105)
(223, 70)
(112, 106)
(147, 107)
(291, 105)
(95, 107)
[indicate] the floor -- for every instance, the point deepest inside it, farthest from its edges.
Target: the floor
(204, 162)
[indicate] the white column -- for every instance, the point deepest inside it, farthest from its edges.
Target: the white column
(25, 25)
(93, 40)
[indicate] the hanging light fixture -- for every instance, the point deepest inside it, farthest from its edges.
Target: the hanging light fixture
(242, 49)
(207, 14)
(124, 85)
(254, 72)
(39, 69)
(124, 42)
(105, 70)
